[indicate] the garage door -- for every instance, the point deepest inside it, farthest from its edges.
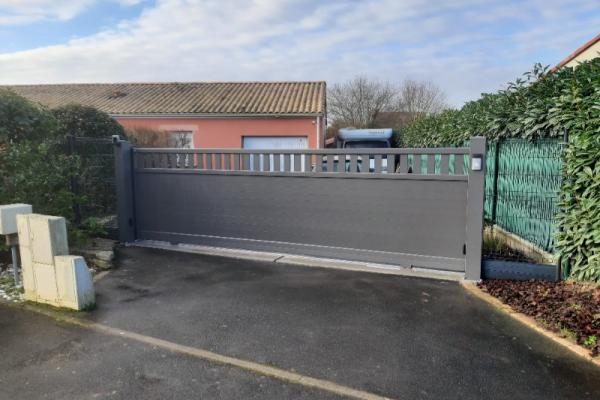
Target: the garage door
(274, 143)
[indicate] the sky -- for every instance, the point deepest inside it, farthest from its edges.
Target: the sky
(466, 47)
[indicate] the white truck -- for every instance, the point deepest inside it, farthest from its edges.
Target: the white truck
(348, 138)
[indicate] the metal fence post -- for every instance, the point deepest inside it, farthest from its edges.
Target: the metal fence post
(564, 262)
(124, 184)
(475, 199)
(495, 181)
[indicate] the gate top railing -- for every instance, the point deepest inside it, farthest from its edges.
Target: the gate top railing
(449, 162)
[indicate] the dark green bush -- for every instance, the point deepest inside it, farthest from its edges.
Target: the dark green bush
(21, 120)
(542, 104)
(31, 169)
(38, 173)
(36, 166)
(84, 121)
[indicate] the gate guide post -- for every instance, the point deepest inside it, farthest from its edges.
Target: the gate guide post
(475, 199)
(124, 183)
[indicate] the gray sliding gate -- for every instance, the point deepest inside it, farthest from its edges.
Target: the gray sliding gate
(409, 207)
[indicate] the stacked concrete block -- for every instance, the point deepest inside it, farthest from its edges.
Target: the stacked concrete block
(41, 238)
(8, 217)
(50, 275)
(74, 282)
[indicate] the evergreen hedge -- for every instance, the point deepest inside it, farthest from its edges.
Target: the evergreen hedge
(542, 104)
(35, 166)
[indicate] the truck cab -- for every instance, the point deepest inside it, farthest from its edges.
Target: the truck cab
(348, 138)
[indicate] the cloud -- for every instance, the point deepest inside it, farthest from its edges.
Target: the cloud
(464, 46)
(22, 12)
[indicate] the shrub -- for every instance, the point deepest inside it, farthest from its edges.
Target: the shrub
(38, 173)
(22, 120)
(30, 170)
(84, 121)
(35, 167)
(147, 137)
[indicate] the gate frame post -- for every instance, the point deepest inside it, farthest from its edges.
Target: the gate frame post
(475, 206)
(124, 183)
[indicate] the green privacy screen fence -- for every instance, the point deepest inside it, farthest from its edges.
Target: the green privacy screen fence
(522, 188)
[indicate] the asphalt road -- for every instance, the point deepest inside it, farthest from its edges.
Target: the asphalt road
(43, 359)
(405, 338)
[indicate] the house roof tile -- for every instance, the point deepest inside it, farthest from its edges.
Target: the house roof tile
(210, 98)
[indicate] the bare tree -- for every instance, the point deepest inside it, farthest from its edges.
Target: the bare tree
(358, 102)
(420, 98)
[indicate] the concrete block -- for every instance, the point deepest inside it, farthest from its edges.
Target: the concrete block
(23, 230)
(74, 282)
(46, 290)
(27, 276)
(8, 217)
(48, 237)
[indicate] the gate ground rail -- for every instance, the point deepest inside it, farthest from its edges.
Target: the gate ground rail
(408, 207)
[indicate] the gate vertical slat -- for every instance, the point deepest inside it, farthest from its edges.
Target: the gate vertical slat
(225, 165)
(431, 164)
(445, 164)
(255, 162)
(297, 162)
(236, 162)
(403, 164)
(209, 162)
(458, 164)
(377, 162)
(416, 165)
(391, 163)
(353, 162)
(330, 162)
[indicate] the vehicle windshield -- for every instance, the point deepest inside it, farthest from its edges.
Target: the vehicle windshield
(366, 144)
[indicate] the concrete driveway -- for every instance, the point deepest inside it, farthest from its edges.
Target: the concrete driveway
(392, 336)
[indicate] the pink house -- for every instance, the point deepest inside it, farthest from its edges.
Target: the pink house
(263, 115)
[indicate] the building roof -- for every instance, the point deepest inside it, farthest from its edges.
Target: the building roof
(577, 52)
(195, 98)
